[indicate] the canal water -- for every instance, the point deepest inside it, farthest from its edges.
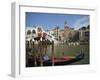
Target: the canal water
(70, 50)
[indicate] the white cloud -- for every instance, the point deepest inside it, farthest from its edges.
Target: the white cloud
(81, 22)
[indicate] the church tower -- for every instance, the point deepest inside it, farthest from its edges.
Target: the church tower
(65, 25)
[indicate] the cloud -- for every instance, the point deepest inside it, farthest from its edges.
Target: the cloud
(81, 22)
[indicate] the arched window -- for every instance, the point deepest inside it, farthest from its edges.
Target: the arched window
(28, 32)
(33, 31)
(39, 29)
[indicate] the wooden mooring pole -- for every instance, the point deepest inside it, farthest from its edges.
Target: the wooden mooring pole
(41, 61)
(52, 53)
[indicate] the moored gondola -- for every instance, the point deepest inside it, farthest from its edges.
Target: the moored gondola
(58, 61)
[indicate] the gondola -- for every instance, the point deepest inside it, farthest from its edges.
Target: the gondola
(64, 60)
(58, 61)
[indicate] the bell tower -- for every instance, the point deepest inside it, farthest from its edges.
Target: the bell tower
(65, 25)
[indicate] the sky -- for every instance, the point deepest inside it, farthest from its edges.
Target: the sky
(50, 20)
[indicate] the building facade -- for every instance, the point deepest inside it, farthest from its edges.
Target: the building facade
(84, 35)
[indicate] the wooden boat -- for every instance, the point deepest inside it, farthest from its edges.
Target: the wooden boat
(64, 60)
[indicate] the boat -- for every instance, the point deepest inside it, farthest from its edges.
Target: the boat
(64, 60)
(58, 61)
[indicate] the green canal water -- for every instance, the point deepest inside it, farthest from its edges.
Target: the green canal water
(71, 51)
